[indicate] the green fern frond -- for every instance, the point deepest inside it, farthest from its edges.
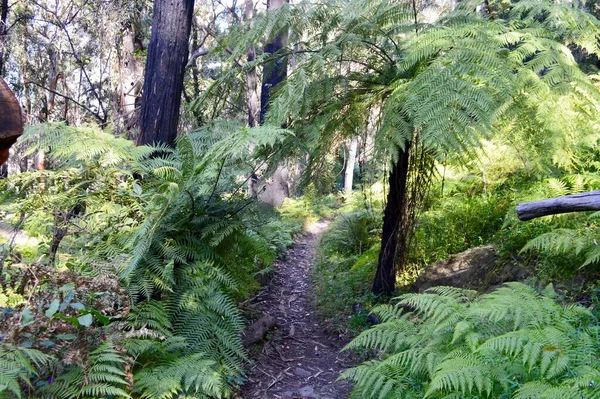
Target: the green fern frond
(514, 333)
(17, 366)
(104, 376)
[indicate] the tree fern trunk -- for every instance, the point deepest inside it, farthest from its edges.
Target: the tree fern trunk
(165, 67)
(393, 235)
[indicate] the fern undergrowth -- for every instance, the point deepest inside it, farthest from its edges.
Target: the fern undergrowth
(514, 342)
(184, 253)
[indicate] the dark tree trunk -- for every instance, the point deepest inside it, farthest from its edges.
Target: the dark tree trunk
(393, 235)
(165, 67)
(274, 71)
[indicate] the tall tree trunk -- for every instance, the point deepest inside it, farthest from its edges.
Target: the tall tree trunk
(251, 77)
(393, 235)
(45, 114)
(349, 172)
(275, 71)
(131, 71)
(3, 33)
(165, 67)
(252, 94)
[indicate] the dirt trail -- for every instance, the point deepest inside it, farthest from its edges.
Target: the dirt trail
(301, 360)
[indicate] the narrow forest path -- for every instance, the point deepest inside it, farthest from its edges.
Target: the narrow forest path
(300, 360)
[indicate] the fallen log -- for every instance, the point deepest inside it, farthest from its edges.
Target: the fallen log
(588, 201)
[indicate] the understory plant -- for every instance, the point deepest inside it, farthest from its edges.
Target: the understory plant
(515, 342)
(156, 249)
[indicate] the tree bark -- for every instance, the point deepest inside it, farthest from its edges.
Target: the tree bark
(252, 94)
(251, 77)
(582, 202)
(3, 33)
(131, 71)
(393, 234)
(165, 66)
(351, 160)
(274, 71)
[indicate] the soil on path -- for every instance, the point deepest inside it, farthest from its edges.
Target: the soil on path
(300, 360)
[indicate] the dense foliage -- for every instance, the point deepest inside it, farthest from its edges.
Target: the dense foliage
(181, 253)
(454, 343)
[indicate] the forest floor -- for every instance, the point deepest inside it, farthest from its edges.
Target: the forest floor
(300, 360)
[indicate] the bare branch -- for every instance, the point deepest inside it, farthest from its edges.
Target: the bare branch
(95, 114)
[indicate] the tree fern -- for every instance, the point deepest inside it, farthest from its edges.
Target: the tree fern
(568, 241)
(513, 342)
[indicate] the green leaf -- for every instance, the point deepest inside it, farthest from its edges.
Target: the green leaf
(104, 320)
(53, 308)
(66, 337)
(78, 306)
(27, 318)
(137, 189)
(72, 320)
(85, 320)
(67, 287)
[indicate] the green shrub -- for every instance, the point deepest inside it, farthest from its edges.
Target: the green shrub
(175, 241)
(456, 224)
(514, 342)
(345, 270)
(352, 234)
(548, 263)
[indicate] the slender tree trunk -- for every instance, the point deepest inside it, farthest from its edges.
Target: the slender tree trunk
(349, 172)
(393, 235)
(252, 94)
(45, 114)
(165, 67)
(275, 71)
(3, 33)
(251, 77)
(131, 72)
(367, 174)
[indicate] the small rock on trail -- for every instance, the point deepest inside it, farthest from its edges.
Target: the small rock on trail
(300, 360)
